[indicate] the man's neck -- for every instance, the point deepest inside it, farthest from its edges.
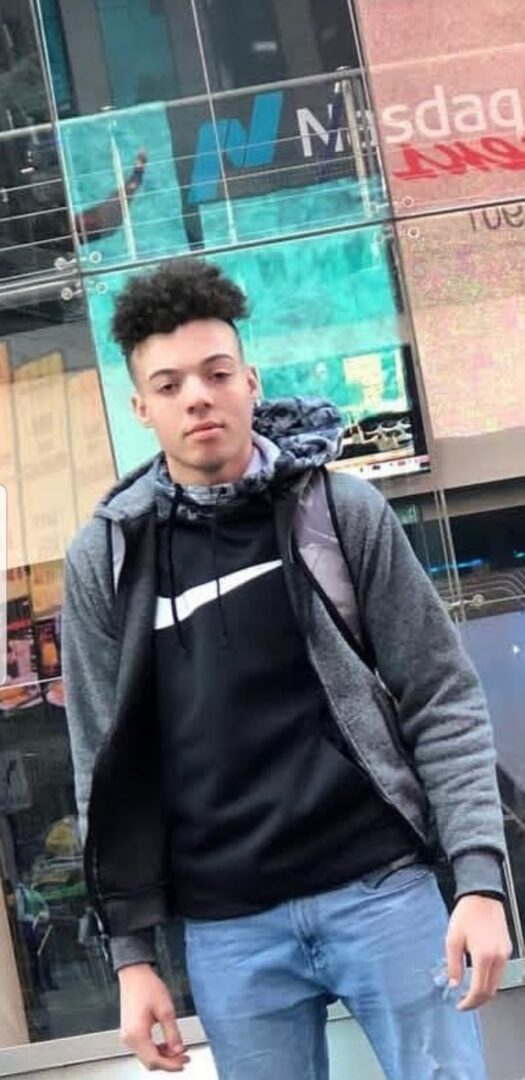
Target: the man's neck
(227, 474)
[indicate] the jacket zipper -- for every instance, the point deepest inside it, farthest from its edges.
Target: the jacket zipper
(92, 871)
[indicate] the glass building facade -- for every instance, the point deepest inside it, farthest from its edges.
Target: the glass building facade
(358, 167)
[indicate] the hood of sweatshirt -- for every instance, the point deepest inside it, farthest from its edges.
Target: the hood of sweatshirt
(290, 436)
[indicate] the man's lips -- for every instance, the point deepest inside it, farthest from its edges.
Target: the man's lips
(202, 429)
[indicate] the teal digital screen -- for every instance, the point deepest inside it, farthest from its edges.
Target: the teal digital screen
(323, 322)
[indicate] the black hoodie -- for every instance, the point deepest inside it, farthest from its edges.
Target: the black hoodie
(263, 801)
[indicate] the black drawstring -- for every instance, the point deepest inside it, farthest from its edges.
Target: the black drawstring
(177, 498)
(220, 605)
(171, 569)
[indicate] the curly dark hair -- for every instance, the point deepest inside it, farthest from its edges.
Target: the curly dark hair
(176, 293)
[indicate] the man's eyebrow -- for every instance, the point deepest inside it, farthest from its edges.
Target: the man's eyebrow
(165, 372)
(162, 373)
(217, 356)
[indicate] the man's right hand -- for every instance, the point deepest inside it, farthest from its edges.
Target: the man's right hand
(144, 1001)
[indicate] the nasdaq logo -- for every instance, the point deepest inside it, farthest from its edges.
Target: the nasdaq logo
(244, 148)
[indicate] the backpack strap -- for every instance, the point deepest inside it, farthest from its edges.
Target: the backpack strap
(320, 550)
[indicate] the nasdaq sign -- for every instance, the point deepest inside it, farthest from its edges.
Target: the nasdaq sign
(243, 147)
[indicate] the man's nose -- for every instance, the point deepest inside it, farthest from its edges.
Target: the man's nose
(197, 393)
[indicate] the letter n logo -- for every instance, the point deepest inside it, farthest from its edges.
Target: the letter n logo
(243, 149)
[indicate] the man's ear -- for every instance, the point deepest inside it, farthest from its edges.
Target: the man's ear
(140, 410)
(254, 384)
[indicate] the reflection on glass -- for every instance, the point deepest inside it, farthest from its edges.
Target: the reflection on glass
(496, 644)
(248, 44)
(56, 462)
(150, 52)
(138, 52)
(123, 185)
(55, 453)
(63, 90)
(34, 228)
(163, 179)
(489, 555)
(35, 234)
(489, 564)
(150, 173)
(23, 99)
(293, 160)
(490, 552)
(67, 980)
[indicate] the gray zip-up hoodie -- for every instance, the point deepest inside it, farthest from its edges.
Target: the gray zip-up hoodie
(440, 755)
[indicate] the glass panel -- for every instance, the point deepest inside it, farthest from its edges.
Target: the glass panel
(491, 555)
(55, 454)
(449, 91)
(129, 175)
(55, 461)
(23, 100)
(34, 226)
(464, 279)
(249, 44)
(337, 332)
(35, 233)
(138, 52)
(61, 74)
(151, 171)
(486, 574)
(137, 48)
(67, 981)
(163, 179)
(294, 160)
(421, 522)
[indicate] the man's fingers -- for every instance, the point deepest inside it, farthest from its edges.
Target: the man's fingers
(479, 990)
(498, 968)
(455, 959)
(166, 1052)
(141, 1043)
(163, 1058)
(478, 928)
(155, 1056)
(172, 1039)
(148, 1021)
(487, 986)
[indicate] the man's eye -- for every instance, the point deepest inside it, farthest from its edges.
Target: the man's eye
(166, 388)
(220, 375)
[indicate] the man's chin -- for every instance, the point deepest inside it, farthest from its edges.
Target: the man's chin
(206, 468)
(210, 465)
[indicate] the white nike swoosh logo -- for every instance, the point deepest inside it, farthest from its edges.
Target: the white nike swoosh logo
(192, 599)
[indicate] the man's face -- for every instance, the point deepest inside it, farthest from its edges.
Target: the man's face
(195, 391)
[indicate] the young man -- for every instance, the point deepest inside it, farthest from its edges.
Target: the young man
(270, 715)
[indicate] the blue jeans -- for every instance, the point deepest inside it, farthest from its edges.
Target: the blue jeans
(261, 983)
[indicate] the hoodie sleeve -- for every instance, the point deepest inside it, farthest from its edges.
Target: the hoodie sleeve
(442, 711)
(89, 665)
